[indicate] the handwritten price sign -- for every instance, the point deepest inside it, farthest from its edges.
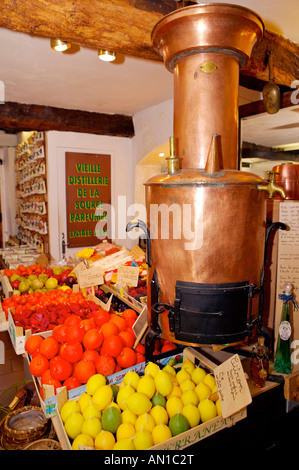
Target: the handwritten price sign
(232, 386)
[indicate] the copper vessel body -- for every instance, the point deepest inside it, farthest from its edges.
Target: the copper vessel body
(288, 177)
(228, 223)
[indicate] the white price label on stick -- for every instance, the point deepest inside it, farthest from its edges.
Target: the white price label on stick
(232, 386)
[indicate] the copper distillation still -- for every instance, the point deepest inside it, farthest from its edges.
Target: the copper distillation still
(207, 289)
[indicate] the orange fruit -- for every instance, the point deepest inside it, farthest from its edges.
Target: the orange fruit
(127, 338)
(38, 365)
(101, 316)
(84, 369)
(49, 347)
(112, 346)
(88, 323)
(140, 358)
(127, 358)
(109, 328)
(90, 355)
(72, 382)
(59, 333)
(72, 320)
(60, 368)
(33, 343)
(129, 314)
(72, 352)
(93, 339)
(140, 349)
(48, 380)
(105, 365)
(75, 333)
(168, 347)
(119, 321)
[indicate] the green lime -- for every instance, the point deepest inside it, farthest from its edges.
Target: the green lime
(178, 423)
(158, 399)
(111, 419)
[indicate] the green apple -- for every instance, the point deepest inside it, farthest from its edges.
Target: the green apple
(57, 270)
(24, 286)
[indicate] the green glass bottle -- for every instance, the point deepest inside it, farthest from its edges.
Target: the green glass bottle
(282, 362)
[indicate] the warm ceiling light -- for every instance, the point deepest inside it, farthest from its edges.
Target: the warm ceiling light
(106, 56)
(60, 46)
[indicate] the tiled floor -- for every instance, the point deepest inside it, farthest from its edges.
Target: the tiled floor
(12, 371)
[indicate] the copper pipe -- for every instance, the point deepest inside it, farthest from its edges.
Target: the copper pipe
(204, 46)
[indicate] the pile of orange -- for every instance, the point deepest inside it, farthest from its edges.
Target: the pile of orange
(80, 348)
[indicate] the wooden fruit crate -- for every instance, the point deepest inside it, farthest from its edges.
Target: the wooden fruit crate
(179, 442)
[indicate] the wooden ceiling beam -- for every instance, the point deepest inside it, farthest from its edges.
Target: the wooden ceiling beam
(125, 26)
(25, 117)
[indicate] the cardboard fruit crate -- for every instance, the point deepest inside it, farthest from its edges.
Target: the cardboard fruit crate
(179, 442)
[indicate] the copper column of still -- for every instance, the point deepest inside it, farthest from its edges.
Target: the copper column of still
(206, 219)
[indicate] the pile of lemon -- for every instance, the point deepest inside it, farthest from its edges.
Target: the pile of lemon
(141, 411)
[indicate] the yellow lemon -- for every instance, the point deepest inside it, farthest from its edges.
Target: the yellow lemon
(175, 392)
(192, 413)
(68, 408)
(188, 365)
(139, 403)
(128, 417)
(143, 440)
(102, 397)
(91, 411)
(209, 380)
(214, 389)
(174, 405)
(190, 396)
(104, 440)
(131, 378)
(94, 382)
(152, 369)
(91, 426)
(159, 414)
(124, 444)
(198, 375)
(125, 430)
(182, 375)
(84, 400)
(202, 390)
(207, 409)
(218, 407)
(145, 421)
(163, 383)
(187, 384)
(82, 440)
(146, 385)
(161, 433)
(123, 395)
(170, 369)
(73, 424)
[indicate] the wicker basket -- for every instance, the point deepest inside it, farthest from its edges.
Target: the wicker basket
(17, 438)
(43, 444)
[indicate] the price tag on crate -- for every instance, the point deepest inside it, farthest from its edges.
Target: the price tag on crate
(232, 386)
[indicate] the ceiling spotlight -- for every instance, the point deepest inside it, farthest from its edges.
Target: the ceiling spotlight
(106, 56)
(59, 46)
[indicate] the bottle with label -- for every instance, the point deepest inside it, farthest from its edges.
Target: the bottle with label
(259, 365)
(282, 362)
